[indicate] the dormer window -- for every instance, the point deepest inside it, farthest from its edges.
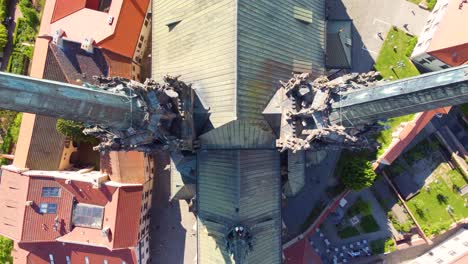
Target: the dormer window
(99, 5)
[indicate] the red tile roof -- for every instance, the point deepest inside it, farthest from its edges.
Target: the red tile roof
(127, 31)
(453, 56)
(13, 194)
(124, 166)
(409, 132)
(121, 211)
(65, 8)
(39, 254)
(120, 37)
(118, 64)
(128, 220)
(301, 253)
(38, 226)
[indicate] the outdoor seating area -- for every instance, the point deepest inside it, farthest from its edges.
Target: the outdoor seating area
(344, 253)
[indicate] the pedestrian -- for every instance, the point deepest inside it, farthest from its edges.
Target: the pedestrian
(412, 11)
(405, 26)
(380, 35)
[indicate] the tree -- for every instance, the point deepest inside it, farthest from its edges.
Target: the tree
(357, 174)
(3, 36)
(74, 130)
(6, 245)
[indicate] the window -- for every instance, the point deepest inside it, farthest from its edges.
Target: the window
(302, 14)
(430, 59)
(452, 253)
(87, 215)
(50, 192)
(86, 260)
(48, 208)
(51, 259)
(444, 67)
(439, 261)
(68, 259)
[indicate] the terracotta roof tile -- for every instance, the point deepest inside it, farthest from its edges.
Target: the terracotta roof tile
(39, 253)
(64, 8)
(38, 226)
(124, 166)
(450, 30)
(453, 56)
(13, 194)
(127, 221)
(118, 65)
(127, 31)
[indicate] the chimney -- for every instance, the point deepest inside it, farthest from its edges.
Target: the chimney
(87, 45)
(57, 37)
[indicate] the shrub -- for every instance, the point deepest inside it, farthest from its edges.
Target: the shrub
(411, 44)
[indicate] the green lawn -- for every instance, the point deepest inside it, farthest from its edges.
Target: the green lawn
(347, 232)
(368, 224)
(388, 58)
(415, 1)
(430, 207)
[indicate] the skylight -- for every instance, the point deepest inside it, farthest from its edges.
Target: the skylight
(87, 215)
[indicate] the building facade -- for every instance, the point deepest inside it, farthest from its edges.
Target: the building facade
(443, 43)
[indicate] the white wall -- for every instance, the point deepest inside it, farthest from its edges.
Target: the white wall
(430, 27)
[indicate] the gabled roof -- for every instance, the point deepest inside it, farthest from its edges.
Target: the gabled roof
(235, 52)
(239, 187)
(77, 65)
(65, 8)
(121, 209)
(79, 21)
(13, 194)
(450, 31)
(38, 253)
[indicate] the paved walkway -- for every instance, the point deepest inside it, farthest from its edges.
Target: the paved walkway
(371, 17)
(15, 13)
(379, 215)
(318, 178)
(173, 237)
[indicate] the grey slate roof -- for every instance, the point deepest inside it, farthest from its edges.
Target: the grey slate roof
(239, 187)
(338, 38)
(234, 52)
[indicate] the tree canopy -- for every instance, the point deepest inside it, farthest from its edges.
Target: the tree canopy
(357, 174)
(74, 130)
(6, 245)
